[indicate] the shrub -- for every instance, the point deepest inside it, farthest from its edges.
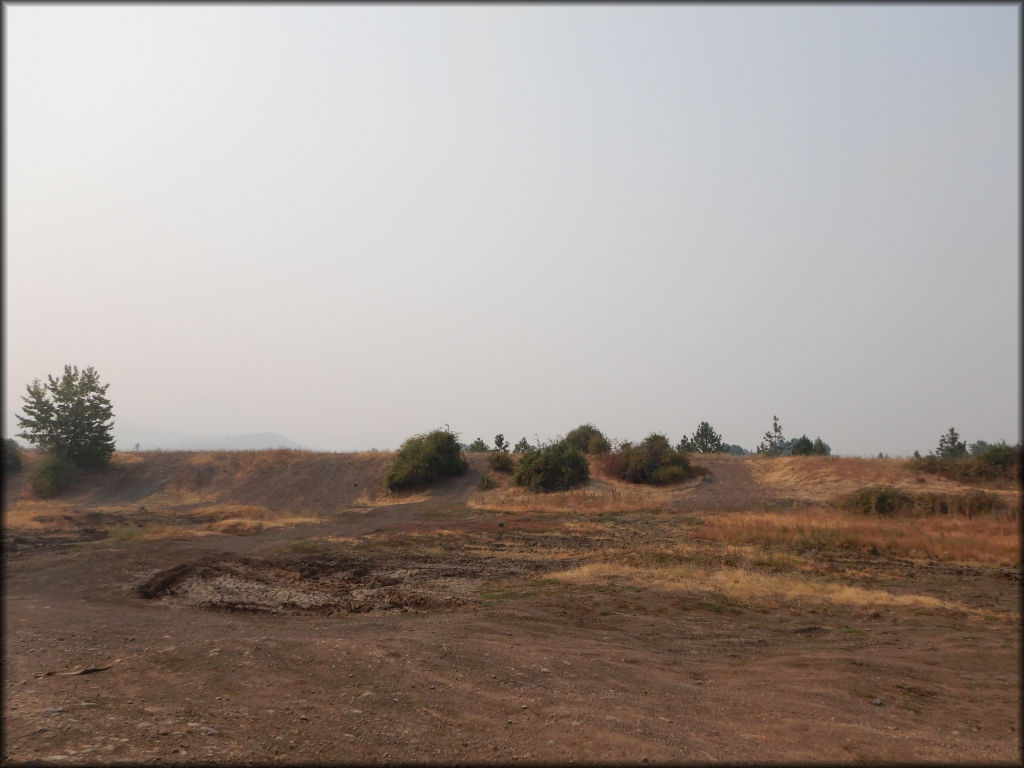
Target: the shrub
(422, 459)
(885, 501)
(555, 467)
(501, 461)
(996, 462)
(522, 446)
(486, 482)
(12, 457)
(654, 462)
(888, 502)
(587, 438)
(51, 475)
(477, 446)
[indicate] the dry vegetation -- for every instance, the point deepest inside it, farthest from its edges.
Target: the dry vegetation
(758, 557)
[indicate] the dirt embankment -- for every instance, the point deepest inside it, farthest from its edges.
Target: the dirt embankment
(277, 480)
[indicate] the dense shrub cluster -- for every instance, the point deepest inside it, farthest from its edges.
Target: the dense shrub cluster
(51, 475)
(425, 458)
(555, 467)
(654, 461)
(477, 446)
(501, 461)
(888, 502)
(995, 462)
(587, 438)
(12, 457)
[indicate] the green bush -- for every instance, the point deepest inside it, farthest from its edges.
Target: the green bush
(888, 502)
(51, 475)
(995, 462)
(422, 459)
(885, 501)
(587, 438)
(501, 461)
(477, 446)
(653, 462)
(12, 457)
(486, 482)
(555, 467)
(522, 446)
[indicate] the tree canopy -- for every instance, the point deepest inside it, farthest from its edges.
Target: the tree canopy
(70, 417)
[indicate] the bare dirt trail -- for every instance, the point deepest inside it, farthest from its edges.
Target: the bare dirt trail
(518, 668)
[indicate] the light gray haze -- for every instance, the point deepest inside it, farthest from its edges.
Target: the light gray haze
(348, 224)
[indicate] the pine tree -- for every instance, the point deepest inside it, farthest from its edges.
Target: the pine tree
(706, 440)
(773, 443)
(950, 446)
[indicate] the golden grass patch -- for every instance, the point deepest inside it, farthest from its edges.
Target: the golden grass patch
(978, 540)
(597, 496)
(752, 587)
(820, 478)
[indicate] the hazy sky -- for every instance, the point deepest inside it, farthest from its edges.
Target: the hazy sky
(349, 224)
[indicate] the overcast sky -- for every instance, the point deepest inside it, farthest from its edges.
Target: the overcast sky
(349, 224)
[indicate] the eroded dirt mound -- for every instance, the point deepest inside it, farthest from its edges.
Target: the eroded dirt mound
(325, 585)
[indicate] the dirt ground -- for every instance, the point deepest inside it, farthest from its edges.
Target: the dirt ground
(443, 628)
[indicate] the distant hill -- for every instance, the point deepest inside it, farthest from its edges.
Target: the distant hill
(127, 437)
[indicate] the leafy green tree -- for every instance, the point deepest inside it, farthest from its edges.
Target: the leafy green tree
(478, 446)
(821, 448)
(950, 446)
(979, 448)
(12, 457)
(706, 440)
(70, 418)
(773, 443)
(522, 446)
(736, 450)
(588, 439)
(500, 444)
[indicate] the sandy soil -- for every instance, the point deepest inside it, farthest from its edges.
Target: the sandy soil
(430, 630)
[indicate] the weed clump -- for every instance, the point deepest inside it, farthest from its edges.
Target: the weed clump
(652, 462)
(422, 459)
(486, 482)
(555, 467)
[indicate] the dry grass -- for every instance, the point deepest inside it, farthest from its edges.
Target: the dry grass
(984, 541)
(765, 590)
(599, 495)
(34, 514)
(820, 478)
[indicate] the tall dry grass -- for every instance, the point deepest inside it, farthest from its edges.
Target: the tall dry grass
(980, 540)
(820, 478)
